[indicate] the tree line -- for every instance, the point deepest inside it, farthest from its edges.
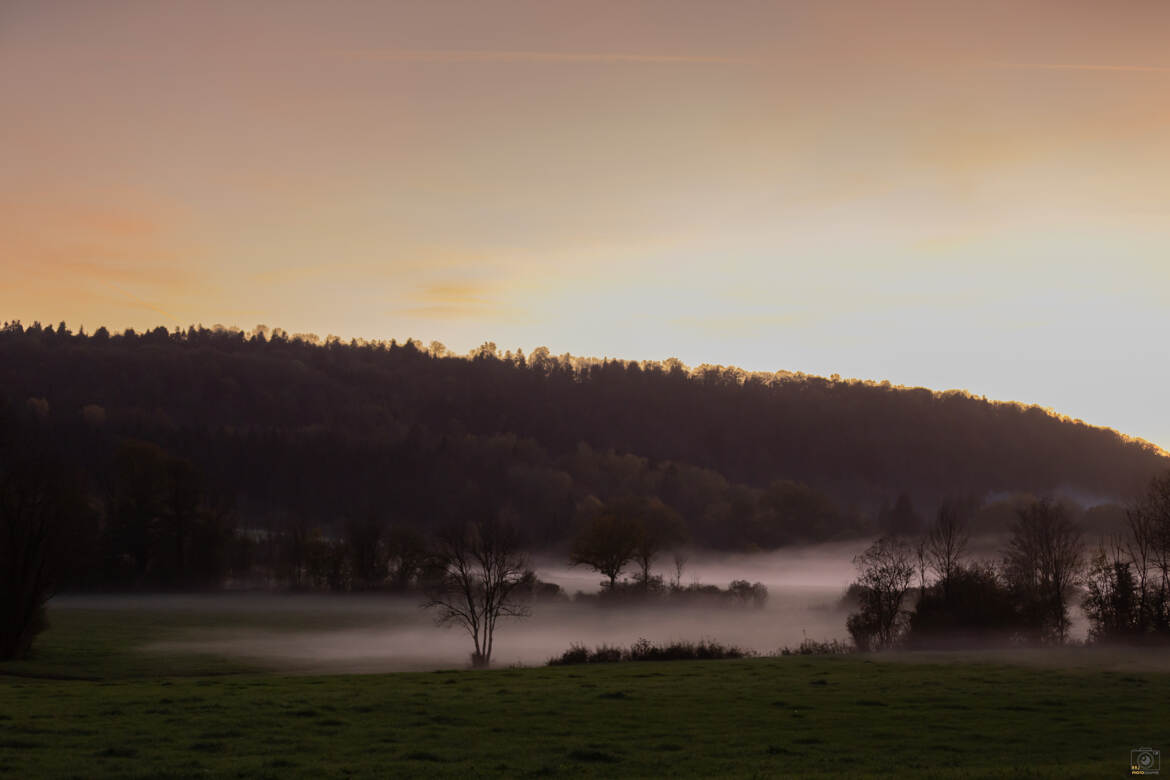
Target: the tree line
(930, 592)
(299, 436)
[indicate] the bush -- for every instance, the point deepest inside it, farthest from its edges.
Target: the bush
(813, 647)
(645, 650)
(974, 608)
(739, 593)
(576, 654)
(605, 654)
(755, 593)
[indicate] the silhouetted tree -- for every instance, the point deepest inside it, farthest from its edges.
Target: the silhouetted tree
(1044, 562)
(1149, 552)
(946, 542)
(134, 510)
(480, 567)
(887, 572)
(656, 527)
(406, 553)
(606, 543)
(41, 516)
(977, 608)
(162, 528)
(1112, 602)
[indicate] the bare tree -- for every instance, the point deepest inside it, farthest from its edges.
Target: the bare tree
(887, 575)
(1112, 600)
(657, 527)
(946, 543)
(1045, 558)
(479, 567)
(680, 562)
(1149, 550)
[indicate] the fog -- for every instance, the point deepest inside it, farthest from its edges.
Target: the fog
(373, 633)
(356, 633)
(817, 567)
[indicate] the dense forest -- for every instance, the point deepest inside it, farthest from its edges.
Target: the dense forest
(210, 451)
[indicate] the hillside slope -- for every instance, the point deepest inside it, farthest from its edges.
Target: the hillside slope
(337, 430)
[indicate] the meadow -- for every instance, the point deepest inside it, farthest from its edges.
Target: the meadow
(92, 703)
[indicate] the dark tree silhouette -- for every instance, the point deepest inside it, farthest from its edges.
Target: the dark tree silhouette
(1044, 563)
(1149, 527)
(946, 542)
(607, 543)
(1112, 601)
(1127, 585)
(406, 553)
(479, 567)
(977, 609)
(41, 521)
(887, 572)
(655, 526)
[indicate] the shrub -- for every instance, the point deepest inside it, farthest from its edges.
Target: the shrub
(645, 650)
(976, 607)
(755, 593)
(576, 654)
(813, 647)
(603, 654)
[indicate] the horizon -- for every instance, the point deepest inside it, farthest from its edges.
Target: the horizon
(969, 196)
(316, 340)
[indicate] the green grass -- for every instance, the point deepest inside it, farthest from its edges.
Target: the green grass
(792, 716)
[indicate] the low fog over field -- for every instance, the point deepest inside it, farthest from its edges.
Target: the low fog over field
(369, 633)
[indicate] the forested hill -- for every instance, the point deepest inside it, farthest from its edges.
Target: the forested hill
(289, 426)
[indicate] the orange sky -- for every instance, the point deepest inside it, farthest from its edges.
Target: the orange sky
(939, 193)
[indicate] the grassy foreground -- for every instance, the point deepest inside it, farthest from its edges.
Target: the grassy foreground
(779, 717)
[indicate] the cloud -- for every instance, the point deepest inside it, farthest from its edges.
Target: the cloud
(460, 300)
(457, 293)
(129, 298)
(152, 268)
(1074, 66)
(82, 255)
(460, 55)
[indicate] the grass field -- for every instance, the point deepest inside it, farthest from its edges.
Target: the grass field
(190, 716)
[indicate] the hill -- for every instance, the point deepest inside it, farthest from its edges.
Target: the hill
(290, 430)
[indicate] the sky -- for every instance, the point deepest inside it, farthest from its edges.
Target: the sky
(944, 194)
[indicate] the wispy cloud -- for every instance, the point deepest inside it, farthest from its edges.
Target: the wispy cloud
(129, 298)
(462, 55)
(460, 300)
(156, 269)
(464, 293)
(1077, 66)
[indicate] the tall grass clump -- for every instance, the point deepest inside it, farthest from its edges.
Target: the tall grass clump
(645, 650)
